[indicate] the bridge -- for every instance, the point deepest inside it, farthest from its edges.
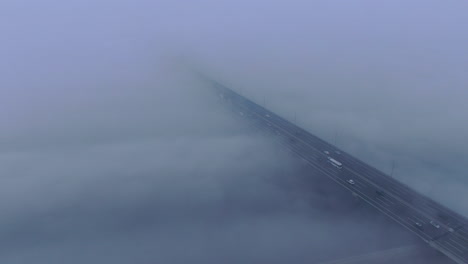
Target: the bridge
(437, 225)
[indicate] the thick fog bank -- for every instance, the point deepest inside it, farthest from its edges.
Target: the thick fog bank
(112, 152)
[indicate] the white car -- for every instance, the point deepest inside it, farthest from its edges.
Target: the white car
(350, 181)
(327, 152)
(435, 224)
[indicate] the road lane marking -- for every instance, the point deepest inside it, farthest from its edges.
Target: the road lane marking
(387, 204)
(458, 243)
(387, 199)
(454, 246)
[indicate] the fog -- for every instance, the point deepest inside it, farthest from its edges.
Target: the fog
(113, 151)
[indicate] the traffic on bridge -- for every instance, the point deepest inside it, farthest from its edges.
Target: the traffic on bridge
(440, 227)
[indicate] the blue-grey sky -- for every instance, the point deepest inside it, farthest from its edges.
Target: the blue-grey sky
(113, 153)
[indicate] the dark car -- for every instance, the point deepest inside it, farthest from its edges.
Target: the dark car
(418, 225)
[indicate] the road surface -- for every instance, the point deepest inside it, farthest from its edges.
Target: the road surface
(440, 227)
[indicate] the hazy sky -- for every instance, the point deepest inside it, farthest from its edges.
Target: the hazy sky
(112, 152)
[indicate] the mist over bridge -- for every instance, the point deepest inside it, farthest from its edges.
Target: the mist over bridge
(438, 226)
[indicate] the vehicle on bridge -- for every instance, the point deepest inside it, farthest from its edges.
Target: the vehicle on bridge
(350, 181)
(419, 225)
(335, 163)
(435, 224)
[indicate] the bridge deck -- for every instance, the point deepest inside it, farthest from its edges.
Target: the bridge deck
(412, 210)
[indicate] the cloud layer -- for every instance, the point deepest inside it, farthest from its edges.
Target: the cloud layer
(112, 152)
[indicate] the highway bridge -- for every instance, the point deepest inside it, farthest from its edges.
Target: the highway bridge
(437, 225)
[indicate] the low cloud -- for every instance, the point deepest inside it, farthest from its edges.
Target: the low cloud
(113, 152)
